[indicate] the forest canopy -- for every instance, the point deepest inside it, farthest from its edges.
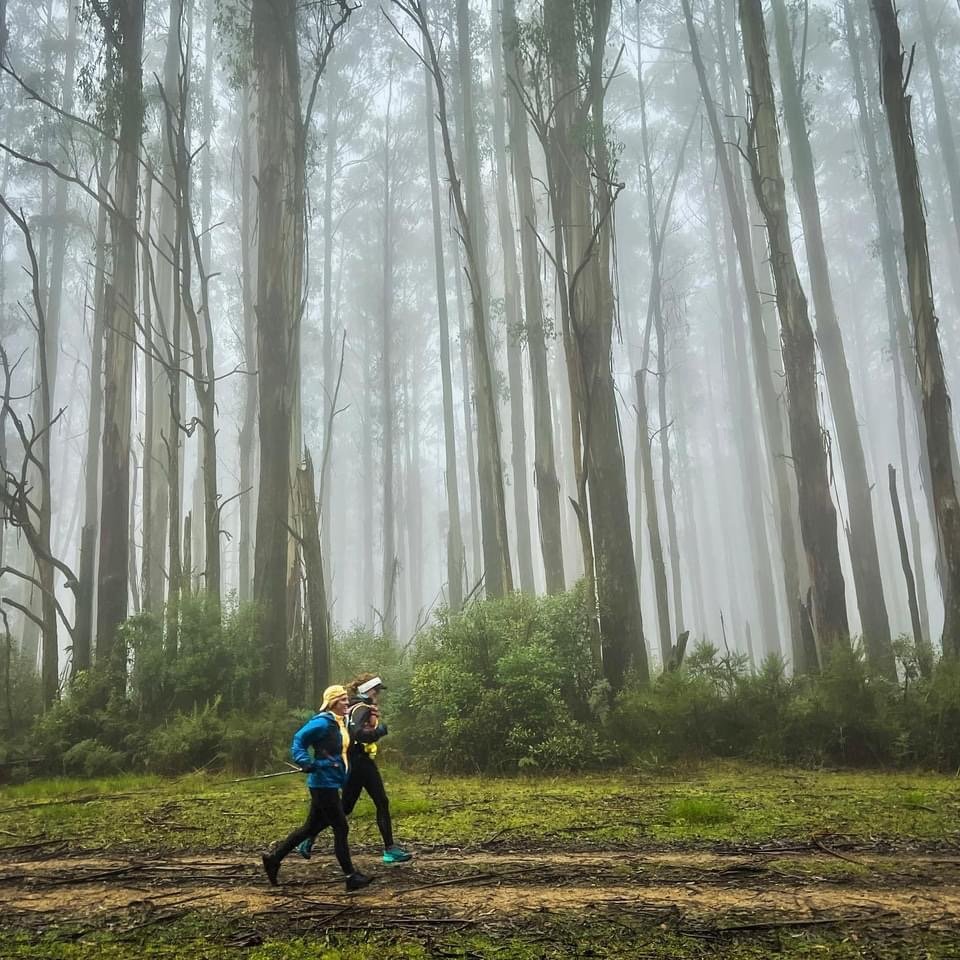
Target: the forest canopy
(582, 361)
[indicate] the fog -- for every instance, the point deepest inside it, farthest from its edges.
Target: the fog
(258, 232)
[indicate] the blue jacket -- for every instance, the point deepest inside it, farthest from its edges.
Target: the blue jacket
(317, 748)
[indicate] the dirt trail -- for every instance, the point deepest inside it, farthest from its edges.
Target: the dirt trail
(732, 891)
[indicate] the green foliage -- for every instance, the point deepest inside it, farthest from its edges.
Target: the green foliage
(715, 706)
(183, 709)
(357, 651)
(89, 758)
(506, 684)
(217, 657)
(188, 742)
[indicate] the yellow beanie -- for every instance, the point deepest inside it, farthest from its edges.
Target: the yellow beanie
(331, 694)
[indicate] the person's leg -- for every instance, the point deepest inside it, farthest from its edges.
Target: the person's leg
(356, 781)
(316, 820)
(337, 819)
(373, 783)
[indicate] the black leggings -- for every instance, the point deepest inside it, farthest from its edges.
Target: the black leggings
(364, 775)
(326, 810)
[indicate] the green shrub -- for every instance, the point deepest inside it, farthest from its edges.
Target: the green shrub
(190, 741)
(255, 742)
(89, 758)
(503, 685)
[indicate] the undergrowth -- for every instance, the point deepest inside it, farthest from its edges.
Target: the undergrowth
(507, 686)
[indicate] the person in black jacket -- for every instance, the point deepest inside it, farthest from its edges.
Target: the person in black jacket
(366, 728)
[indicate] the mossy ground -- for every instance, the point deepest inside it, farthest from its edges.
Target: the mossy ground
(714, 807)
(730, 803)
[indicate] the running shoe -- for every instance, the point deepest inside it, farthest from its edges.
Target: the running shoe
(396, 854)
(357, 881)
(305, 848)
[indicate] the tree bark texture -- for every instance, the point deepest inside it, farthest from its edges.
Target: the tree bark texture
(924, 653)
(452, 486)
(864, 555)
(87, 569)
(280, 252)
(498, 576)
(512, 313)
(818, 517)
(316, 590)
(585, 223)
(901, 352)
(933, 384)
(114, 519)
(545, 468)
(804, 660)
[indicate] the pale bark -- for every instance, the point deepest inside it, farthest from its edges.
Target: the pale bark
(923, 651)
(513, 315)
(751, 488)
(944, 112)
(469, 434)
(468, 202)
(653, 521)
(584, 220)
(655, 237)
(114, 519)
(545, 469)
(864, 554)
(769, 412)
(454, 531)
(248, 435)
(936, 398)
(83, 635)
(317, 608)
(898, 323)
(818, 518)
(390, 561)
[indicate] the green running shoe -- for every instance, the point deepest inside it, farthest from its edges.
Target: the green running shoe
(305, 848)
(396, 854)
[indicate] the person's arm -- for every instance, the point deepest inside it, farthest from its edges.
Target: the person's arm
(300, 746)
(363, 729)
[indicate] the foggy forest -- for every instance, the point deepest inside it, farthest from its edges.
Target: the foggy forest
(577, 376)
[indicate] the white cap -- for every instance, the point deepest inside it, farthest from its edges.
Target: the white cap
(369, 685)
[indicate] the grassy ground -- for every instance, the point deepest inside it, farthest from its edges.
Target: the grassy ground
(716, 803)
(717, 807)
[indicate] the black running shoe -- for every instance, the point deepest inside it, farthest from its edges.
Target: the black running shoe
(271, 867)
(357, 881)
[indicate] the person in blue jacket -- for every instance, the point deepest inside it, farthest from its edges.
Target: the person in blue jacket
(320, 749)
(366, 728)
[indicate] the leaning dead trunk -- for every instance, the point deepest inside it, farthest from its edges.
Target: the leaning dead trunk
(933, 383)
(818, 517)
(313, 569)
(924, 653)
